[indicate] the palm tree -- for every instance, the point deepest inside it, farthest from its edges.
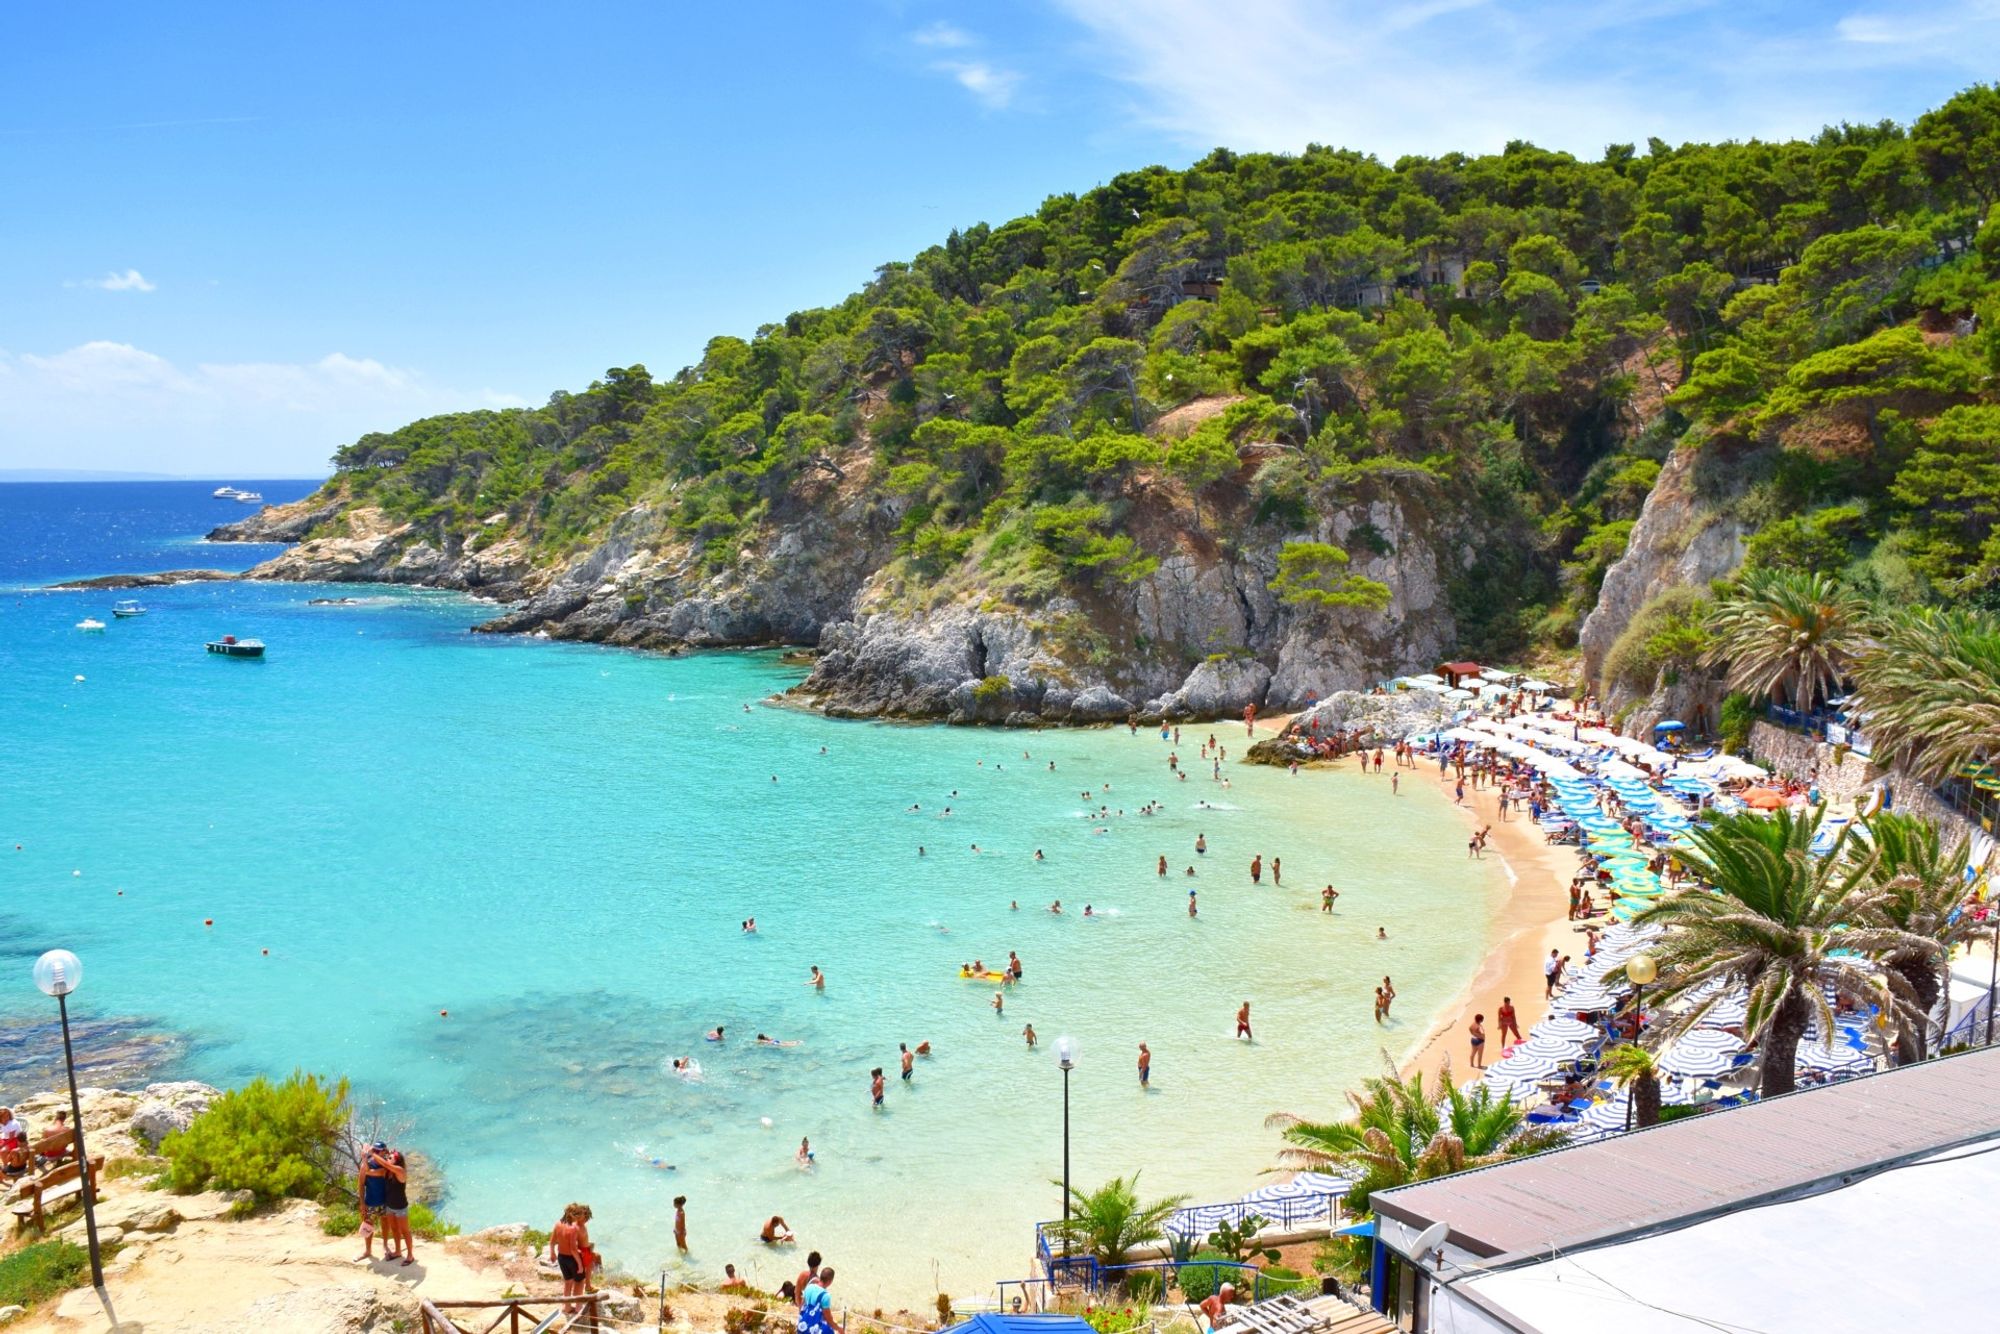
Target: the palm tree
(1779, 921)
(1930, 687)
(1630, 1066)
(1401, 1133)
(1107, 1223)
(1781, 631)
(1921, 877)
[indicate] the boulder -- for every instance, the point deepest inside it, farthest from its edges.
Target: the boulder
(137, 1211)
(1099, 704)
(165, 1108)
(348, 1308)
(1219, 688)
(11, 1313)
(502, 1234)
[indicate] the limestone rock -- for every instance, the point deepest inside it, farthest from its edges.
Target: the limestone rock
(348, 1308)
(1219, 688)
(1686, 534)
(138, 1211)
(501, 1234)
(11, 1313)
(165, 1108)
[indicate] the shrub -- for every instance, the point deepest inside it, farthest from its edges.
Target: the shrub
(426, 1224)
(1197, 1280)
(1666, 630)
(1280, 1278)
(41, 1270)
(270, 1139)
(1733, 727)
(1144, 1285)
(991, 688)
(340, 1220)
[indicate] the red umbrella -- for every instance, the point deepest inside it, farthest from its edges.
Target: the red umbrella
(1762, 798)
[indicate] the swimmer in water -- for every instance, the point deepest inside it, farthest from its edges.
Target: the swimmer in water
(1038, 854)
(999, 1003)
(924, 1047)
(1029, 1033)
(1056, 907)
(660, 1163)
(750, 927)
(818, 979)
(1191, 907)
(715, 1034)
(1013, 905)
(1087, 912)
(804, 1156)
(764, 1041)
(1381, 933)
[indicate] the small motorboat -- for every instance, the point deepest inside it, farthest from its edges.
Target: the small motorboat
(249, 497)
(90, 623)
(229, 646)
(226, 493)
(127, 609)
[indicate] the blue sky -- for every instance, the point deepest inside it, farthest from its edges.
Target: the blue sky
(236, 236)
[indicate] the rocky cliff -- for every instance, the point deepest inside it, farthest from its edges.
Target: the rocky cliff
(1200, 636)
(1689, 533)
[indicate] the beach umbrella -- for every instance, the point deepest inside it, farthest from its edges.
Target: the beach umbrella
(1522, 1066)
(1548, 1045)
(1699, 1063)
(1709, 1039)
(1670, 725)
(1761, 798)
(1323, 1183)
(1566, 1028)
(1834, 1060)
(1523, 1091)
(1277, 1192)
(1585, 996)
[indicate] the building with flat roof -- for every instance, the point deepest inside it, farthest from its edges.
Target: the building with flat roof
(1861, 1205)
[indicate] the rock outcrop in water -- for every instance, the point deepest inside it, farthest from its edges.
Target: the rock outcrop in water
(157, 580)
(1200, 636)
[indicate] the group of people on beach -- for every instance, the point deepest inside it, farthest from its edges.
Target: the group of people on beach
(22, 1153)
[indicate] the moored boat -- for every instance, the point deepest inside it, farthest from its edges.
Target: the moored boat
(232, 647)
(90, 623)
(127, 609)
(225, 493)
(249, 497)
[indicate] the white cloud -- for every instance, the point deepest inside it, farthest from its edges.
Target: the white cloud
(1437, 75)
(129, 281)
(943, 34)
(113, 405)
(992, 86)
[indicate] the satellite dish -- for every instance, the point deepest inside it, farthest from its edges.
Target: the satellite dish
(1430, 1239)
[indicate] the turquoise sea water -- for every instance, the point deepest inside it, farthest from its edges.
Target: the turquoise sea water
(557, 844)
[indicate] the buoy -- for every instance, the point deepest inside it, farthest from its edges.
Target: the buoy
(208, 921)
(121, 893)
(267, 951)
(444, 1014)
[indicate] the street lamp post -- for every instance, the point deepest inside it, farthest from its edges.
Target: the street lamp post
(1065, 1062)
(1993, 981)
(58, 973)
(1639, 969)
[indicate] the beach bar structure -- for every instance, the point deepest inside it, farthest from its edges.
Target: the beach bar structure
(1862, 1205)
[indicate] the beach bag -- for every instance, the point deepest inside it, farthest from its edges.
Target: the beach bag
(813, 1317)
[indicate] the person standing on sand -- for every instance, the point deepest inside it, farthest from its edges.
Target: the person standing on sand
(805, 1277)
(1395, 783)
(1509, 1023)
(1550, 967)
(1145, 1066)
(816, 1306)
(1243, 1023)
(1476, 1032)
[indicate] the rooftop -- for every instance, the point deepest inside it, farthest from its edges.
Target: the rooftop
(1706, 1166)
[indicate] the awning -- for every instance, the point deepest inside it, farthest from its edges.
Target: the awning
(1365, 1228)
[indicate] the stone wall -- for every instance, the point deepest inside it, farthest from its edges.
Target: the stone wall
(1843, 777)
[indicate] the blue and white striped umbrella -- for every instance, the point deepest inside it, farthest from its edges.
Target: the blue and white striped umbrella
(1524, 1066)
(1709, 1039)
(1838, 1060)
(1275, 1191)
(1566, 1028)
(1697, 1056)
(1585, 996)
(1524, 1091)
(1323, 1183)
(1547, 1045)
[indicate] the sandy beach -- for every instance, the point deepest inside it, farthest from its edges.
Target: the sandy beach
(1532, 921)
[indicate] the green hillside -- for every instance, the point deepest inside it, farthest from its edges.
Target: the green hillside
(1526, 332)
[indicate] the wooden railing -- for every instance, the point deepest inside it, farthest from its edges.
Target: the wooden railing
(512, 1315)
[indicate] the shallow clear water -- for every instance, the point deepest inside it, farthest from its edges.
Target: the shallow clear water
(557, 843)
